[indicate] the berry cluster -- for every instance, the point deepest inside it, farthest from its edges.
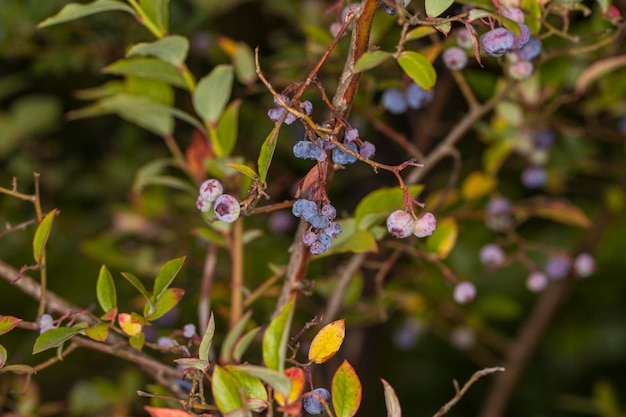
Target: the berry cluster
(225, 206)
(323, 227)
(316, 401)
(401, 224)
(415, 97)
(279, 111)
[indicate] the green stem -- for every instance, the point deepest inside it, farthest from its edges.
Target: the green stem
(145, 20)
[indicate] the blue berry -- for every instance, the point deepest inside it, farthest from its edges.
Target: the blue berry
(416, 97)
(313, 402)
(367, 150)
(326, 240)
(531, 50)
(329, 211)
(454, 58)
(558, 267)
(534, 177)
(308, 107)
(393, 100)
(276, 113)
(391, 6)
(307, 150)
(497, 42)
(342, 157)
(318, 221)
(303, 207)
(333, 230)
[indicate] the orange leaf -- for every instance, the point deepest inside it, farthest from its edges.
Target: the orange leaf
(296, 376)
(327, 341)
(166, 412)
(196, 153)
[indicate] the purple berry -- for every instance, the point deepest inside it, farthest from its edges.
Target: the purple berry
(276, 113)
(584, 265)
(309, 237)
(416, 97)
(531, 50)
(536, 281)
(307, 106)
(400, 224)
(203, 205)
(342, 157)
(317, 248)
(498, 214)
(166, 342)
(543, 139)
(391, 6)
(316, 401)
(333, 230)
(351, 135)
(425, 225)
(227, 208)
(514, 13)
(463, 38)
(329, 211)
(306, 150)
(210, 190)
(523, 37)
(497, 42)
(464, 292)
(534, 177)
(558, 267)
(318, 221)
(521, 70)
(189, 330)
(367, 150)
(394, 101)
(492, 255)
(454, 58)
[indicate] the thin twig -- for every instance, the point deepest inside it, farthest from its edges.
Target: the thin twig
(460, 393)
(336, 300)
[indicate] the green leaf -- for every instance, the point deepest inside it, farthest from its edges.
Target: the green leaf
(391, 400)
(105, 290)
(243, 343)
(209, 235)
(252, 386)
(244, 169)
(245, 69)
(371, 60)
(266, 154)
(277, 380)
(149, 68)
(225, 391)
(380, 203)
(75, 11)
(418, 68)
(41, 235)
(227, 129)
(8, 323)
(157, 11)
(212, 94)
(194, 363)
(166, 275)
(167, 301)
(158, 91)
(443, 239)
(99, 332)
(55, 337)
(495, 155)
(276, 337)
(150, 174)
(357, 242)
(419, 32)
(207, 339)
(435, 7)
(171, 49)
(346, 391)
(3, 356)
(137, 341)
(226, 353)
(140, 287)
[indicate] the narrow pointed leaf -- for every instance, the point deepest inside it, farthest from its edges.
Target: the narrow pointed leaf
(19, 368)
(276, 337)
(55, 337)
(168, 300)
(327, 341)
(243, 60)
(166, 275)
(266, 154)
(158, 12)
(226, 391)
(228, 345)
(346, 391)
(244, 169)
(41, 235)
(8, 323)
(243, 343)
(75, 11)
(149, 68)
(418, 68)
(212, 94)
(171, 49)
(105, 290)
(370, 60)
(227, 129)
(194, 363)
(277, 380)
(207, 339)
(391, 401)
(139, 286)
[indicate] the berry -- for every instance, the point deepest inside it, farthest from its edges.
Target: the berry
(454, 58)
(498, 213)
(497, 42)
(45, 323)
(558, 267)
(307, 106)
(534, 177)
(318, 221)
(189, 330)
(463, 337)
(317, 248)
(391, 6)
(463, 38)
(416, 97)
(536, 281)
(400, 224)
(210, 190)
(316, 401)
(166, 342)
(492, 255)
(307, 150)
(227, 208)
(521, 70)
(531, 50)
(523, 37)
(326, 240)
(276, 113)
(394, 101)
(309, 237)
(203, 205)
(584, 265)
(543, 139)
(405, 337)
(333, 230)
(367, 150)
(514, 13)
(464, 292)
(425, 225)
(342, 157)
(329, 211)
(351, 135)
(304, 208)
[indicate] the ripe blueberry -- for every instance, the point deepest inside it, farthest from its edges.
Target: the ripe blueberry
(416, 97)
(314, 401)
(531, 50)
(342, 157)
(497, 42)
(394, 101)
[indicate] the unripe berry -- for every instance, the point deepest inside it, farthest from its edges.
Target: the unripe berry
(309, 237)
(203, 205)
(400, 224)
(492, 255)
(416, 97)
(211, 189)
(463, 38)
(464, 292)
(189, 330)
(227, 208)
(393, 100)
(317, 248)
(166, 342)
(584, 265)
(534, 177)
(497, 42)
(333, 230)
(521, 70)
(514, 13)
(454, 58)
(558, 267)
(425, 225)
(314, 401)
(536, 281)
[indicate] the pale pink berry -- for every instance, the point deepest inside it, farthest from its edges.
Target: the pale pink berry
(464, 292)
(463, 337)
(227, 208)
(211, 189)
(536, 281)
(455, 58)
(584, 265)
(492, 255)
(45, 323)
(189, 330)
(425, 225)
(400, 224)
(514, 13)
(203, 205)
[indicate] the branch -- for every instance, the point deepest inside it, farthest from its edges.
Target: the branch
(460, 393)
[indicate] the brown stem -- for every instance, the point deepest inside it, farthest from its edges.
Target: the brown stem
(236, 298)
(334, 304)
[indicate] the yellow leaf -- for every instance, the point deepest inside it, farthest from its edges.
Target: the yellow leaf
(477, 184)
(128, 324)
(327, 341)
